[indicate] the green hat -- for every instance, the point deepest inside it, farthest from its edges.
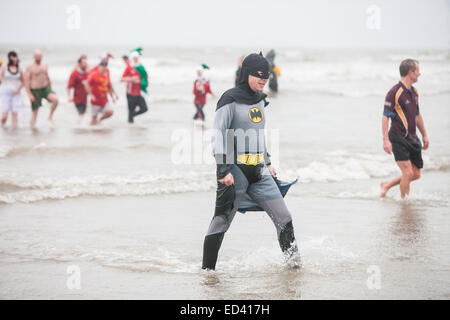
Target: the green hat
(138, 50)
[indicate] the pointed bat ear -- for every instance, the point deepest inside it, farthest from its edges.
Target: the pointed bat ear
(260, 53)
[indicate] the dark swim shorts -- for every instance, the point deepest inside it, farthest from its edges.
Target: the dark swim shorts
(40, 94)
(404, 149)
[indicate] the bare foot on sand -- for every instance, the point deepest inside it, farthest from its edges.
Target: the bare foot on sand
(384, 189)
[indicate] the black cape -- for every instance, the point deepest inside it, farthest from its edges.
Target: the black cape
(248, 204)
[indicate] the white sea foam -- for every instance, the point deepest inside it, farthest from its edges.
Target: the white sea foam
(336, 166)
(341, 165)
(44, 188)
(316, 252)
(5, 150)
(9, 151)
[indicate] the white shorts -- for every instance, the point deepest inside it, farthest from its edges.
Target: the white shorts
(97, 109)
(11, 102)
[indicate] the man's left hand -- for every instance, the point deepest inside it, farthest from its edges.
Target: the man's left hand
(426, 143)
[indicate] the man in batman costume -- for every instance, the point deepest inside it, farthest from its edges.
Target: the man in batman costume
(246, 179)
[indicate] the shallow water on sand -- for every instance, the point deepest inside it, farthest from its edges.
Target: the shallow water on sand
(112, 201)
(147, 247)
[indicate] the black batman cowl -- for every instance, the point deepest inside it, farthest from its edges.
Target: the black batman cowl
(255, 65)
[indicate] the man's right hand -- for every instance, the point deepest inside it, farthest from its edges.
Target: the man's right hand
(387, 146)
(228, 180)
(32, 99)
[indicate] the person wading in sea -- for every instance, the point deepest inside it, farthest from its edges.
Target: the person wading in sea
(38, 86)
(243, 163)
(402, 107)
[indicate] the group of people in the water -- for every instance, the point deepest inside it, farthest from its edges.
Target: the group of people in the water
(83, 82)
(96, 83)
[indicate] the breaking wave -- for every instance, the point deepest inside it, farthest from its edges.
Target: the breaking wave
(336, 166)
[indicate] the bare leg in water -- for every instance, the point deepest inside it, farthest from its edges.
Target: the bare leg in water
(409, 173)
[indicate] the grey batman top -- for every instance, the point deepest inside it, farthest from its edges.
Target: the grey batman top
(238, 129)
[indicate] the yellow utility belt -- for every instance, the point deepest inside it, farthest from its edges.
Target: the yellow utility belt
(252, 159)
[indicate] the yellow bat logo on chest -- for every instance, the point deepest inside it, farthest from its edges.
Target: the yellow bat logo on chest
(255, 115)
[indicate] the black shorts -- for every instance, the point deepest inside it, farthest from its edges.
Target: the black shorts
(81, 107)
(404, 149)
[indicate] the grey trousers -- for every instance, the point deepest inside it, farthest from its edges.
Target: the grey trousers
(266, 194)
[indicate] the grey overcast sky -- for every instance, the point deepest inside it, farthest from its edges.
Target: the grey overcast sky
(421, 24)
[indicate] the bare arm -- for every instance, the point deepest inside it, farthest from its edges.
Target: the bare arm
(421, 126)
(113, 93)
(27, 83)
(21, 82)
(48, 77)
(387, 146)
(69, 96)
